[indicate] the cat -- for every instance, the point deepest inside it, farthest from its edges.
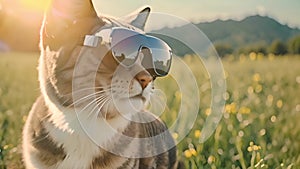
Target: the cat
(55, 135)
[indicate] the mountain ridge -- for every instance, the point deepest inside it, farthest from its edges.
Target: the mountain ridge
(253, 30)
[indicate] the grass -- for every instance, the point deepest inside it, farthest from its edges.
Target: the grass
(259, 128)
(18, 90)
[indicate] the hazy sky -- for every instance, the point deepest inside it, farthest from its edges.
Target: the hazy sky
(285, 11)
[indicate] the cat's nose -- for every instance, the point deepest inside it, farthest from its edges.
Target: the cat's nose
(144, 78)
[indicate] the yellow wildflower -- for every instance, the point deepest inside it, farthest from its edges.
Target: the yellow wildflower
(193, 152)
(298, 79)
(197, 133)
(251, 143)
(207, 112)
(231, 108)
(188, 154)
(258, 88)
(252, 56)
(260, 56)
(269, 101)
(178, 95)
(250, 90)
(256, 77)
(5, 147)
(271, 56)
(24, 118)
(175, 135)
(298, 107)
(226, 96)
(273, 119)
(242, 58)
(253, 147)
(211, 159)
(270, 98)
(279, 104)
(244, 110)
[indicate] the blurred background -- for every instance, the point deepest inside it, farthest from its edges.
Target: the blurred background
(236, 26)
(258, 42)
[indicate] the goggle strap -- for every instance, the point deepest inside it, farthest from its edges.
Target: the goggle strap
(91, 40)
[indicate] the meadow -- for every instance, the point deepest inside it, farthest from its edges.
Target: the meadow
(259, 129)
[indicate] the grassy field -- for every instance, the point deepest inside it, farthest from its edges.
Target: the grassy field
(259, 129)
(18, 90)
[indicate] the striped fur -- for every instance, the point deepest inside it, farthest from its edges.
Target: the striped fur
(49, 153)
(53, 136)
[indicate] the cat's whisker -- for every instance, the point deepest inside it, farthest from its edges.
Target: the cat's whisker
(99, 105)
(100, 101)
(92, 88)
(40, 139)
(81, 100)
(104, 102)
(47, 135)
(86, 89)
(106, 111)
(92, 102)
(86, 98)
(85, 107)
(66, 101)
(45, 117)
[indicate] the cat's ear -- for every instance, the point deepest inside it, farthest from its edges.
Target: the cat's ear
(73, 8)
(138, 18)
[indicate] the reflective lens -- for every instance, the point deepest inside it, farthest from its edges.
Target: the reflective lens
(126, 45)
(162, 61)
(126, 50)
(161, 55)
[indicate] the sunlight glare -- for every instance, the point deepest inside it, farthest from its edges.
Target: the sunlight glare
(35, 5)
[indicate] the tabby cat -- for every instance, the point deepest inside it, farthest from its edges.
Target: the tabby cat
(63, 129)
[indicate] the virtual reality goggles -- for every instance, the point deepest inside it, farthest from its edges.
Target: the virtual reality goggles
(126, 45)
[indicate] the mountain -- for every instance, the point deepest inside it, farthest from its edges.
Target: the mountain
(22, 35)
(251, 31)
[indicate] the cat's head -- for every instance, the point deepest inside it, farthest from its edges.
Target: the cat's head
(75, 74)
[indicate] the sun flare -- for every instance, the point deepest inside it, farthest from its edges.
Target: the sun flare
(35, 5)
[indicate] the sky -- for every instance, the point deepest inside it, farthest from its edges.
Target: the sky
(285, 11)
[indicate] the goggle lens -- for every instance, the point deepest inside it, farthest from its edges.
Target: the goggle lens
(126, 45)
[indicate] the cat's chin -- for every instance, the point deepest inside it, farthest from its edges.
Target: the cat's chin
(139, 96)
(131, 105)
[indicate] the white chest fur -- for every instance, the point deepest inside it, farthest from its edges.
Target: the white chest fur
(81, 139)
(78, 147)
(79, 135)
